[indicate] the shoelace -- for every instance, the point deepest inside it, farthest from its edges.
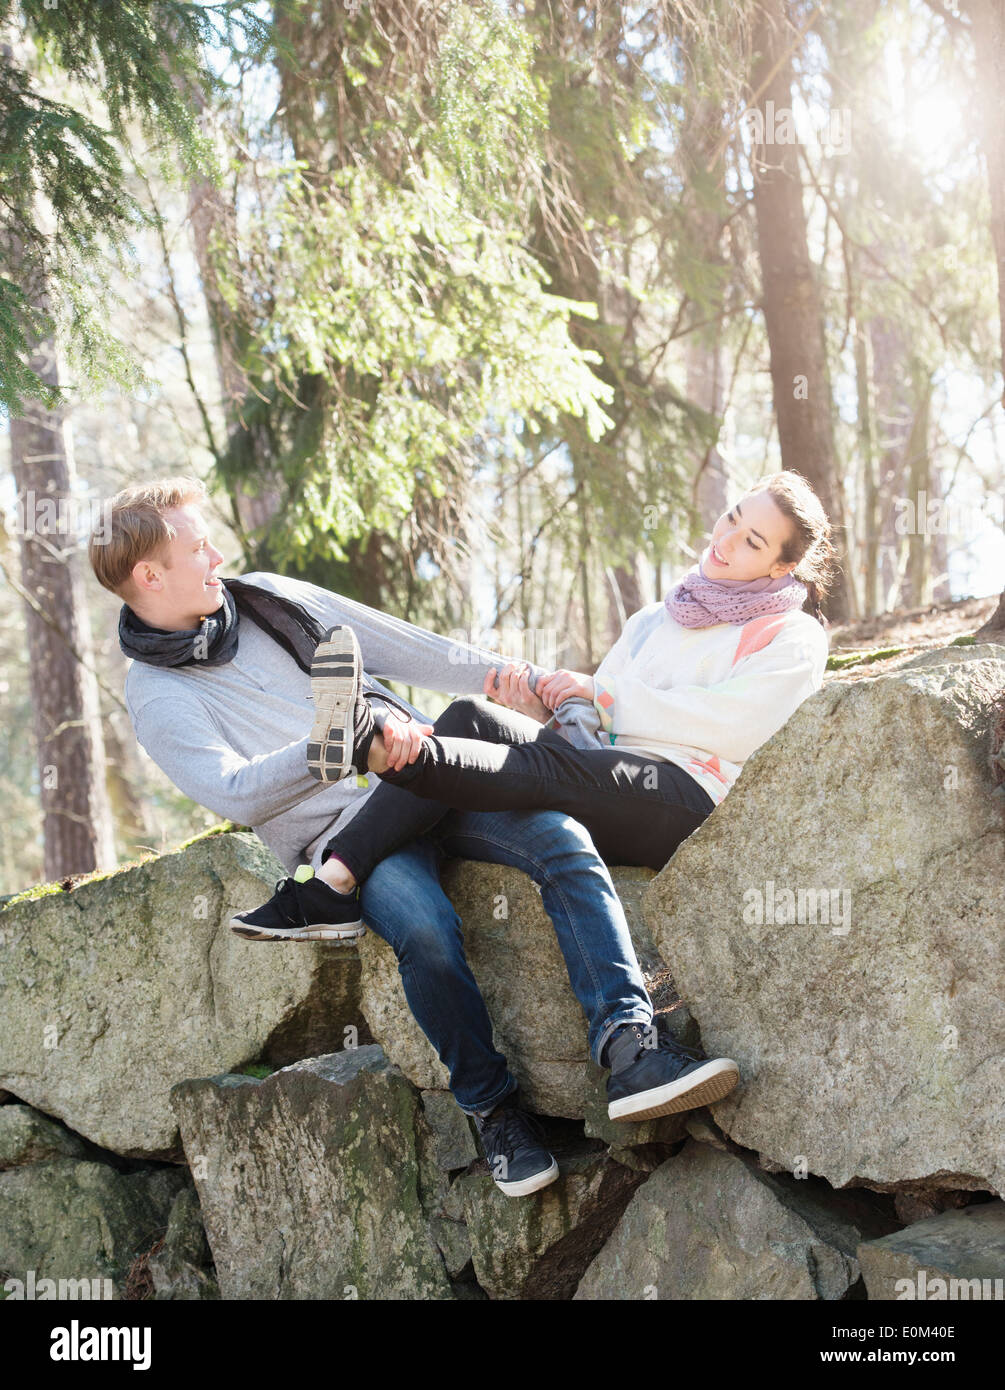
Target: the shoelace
(384, 699)
(513, 1126)
(285, 889)
(388, 700)
(666, 1042)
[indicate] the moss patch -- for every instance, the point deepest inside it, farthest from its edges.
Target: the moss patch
(837, 661)
(260, 1070)
(226, 827)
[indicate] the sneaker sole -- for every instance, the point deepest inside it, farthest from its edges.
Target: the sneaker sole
(317, 931)
(335, 681)
(528, 1185)
(709, 1083)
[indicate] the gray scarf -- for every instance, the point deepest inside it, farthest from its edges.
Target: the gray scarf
(214, 641)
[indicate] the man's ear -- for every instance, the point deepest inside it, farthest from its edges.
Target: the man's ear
(146, 578)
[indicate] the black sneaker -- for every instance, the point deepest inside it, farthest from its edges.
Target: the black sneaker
(511, 1140)
(344, 724)
(653, 1074)
(302, 910)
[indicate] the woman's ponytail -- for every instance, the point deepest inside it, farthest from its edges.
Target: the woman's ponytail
(810, 541)
(817, 611)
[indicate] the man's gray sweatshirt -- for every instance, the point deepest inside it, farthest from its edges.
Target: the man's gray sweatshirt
(234, 737)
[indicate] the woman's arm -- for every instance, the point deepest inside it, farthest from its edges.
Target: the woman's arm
(565, 685)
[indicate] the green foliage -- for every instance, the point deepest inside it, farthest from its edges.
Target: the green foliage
(63, 195)
(491, 107)
(401, 316)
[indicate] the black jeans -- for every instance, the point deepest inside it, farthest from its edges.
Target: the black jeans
(484, 757)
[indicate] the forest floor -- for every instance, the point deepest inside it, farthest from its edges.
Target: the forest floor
(884, 642)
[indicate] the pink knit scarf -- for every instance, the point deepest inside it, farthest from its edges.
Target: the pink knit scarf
(697, 601)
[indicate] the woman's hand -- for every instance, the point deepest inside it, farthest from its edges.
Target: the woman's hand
(514, 691)
(565, 685)
(402, 740)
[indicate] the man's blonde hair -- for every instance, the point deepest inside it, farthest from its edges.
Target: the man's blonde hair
(136, 529)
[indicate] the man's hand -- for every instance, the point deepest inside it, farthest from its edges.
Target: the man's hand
(402, 740)
(565, 685)
(514, 691)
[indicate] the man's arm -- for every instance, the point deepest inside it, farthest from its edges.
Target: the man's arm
(188, 746)
(395, 650)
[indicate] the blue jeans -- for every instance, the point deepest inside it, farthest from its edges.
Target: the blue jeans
(403, 902)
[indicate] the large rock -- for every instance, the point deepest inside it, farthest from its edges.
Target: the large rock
(29, 1137)
(710, 1225)
(870, 1043)
(127, 984)
(312, 1181)
(965, 1250)
(65, 1219)
(182, 1269)
(514, 955)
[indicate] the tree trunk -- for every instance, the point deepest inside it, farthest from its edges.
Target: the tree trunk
(212, 221)
(869, 503)
(76, 812)
(987, 19)
(703, 203)
(919, 465)
(792, 313)
(624, 597)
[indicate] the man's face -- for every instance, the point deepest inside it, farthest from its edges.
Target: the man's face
(182, 587)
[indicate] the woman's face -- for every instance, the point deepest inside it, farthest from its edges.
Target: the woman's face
(746, 541)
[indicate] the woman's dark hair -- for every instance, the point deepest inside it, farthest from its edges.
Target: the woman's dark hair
(809, 541)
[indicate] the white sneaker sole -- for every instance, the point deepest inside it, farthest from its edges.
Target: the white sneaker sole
(335, 686)
(701, 1087)
(317, 931)
(528, 1185)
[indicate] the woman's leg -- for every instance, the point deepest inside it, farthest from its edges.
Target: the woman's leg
(637, 810)
(390, 818)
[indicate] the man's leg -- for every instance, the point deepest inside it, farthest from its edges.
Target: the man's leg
(403, 902)
(579, 897)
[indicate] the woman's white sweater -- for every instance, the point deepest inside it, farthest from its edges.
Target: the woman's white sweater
(701, 697)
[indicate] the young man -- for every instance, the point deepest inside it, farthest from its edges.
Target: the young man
(219, 693)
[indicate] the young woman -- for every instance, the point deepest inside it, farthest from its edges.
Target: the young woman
(640, 753)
